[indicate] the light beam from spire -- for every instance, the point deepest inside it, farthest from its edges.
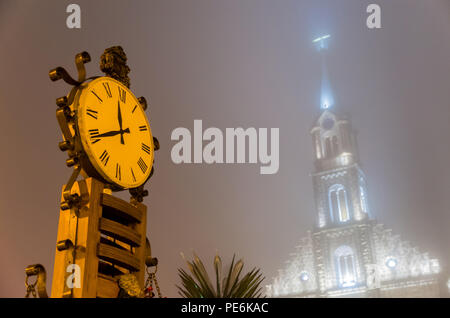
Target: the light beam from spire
(326, 96)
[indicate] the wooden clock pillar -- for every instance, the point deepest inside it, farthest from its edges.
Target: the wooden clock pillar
(102, 249)
(104, 237)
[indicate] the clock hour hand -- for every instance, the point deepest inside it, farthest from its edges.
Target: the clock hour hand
(119, 115)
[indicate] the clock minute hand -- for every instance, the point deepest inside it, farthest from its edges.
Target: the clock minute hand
(113, 133)
(109, 134)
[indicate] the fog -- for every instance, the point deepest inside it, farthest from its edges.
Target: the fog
(233, 64)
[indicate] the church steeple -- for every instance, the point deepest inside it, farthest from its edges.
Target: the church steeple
(339, 183)
(333, 141)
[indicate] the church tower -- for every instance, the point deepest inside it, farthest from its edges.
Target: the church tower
(339, 183)
(349, 254)
(343, 254)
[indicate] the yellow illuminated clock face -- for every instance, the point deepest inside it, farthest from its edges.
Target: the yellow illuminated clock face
(115, 133)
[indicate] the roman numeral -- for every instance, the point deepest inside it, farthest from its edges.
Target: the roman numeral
(143, 128)
(146, 148)
(104, 157)
(92, 113)
(132, 174)
(142, 165)
(135, 106)
(94, 133)
(118, 176)
(101, 101)
(122, 95)
(107, 89)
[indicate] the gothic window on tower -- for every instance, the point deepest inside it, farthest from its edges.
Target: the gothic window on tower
(363, 199)
(331, 146)
(345, 266)
(337, 197)
(328, 147)
(335, 145)
(318, 148)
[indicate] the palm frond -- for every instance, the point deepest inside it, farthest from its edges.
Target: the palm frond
(218, 269)
(227, 279)
(202, 272)
(199, 285)
(234, 278)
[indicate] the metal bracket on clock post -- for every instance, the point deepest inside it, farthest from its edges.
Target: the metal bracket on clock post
(138, 194)
(60, 72)
(65, 118)
(40, 284)
(71, 200)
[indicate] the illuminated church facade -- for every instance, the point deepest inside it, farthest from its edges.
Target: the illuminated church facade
(349, 254)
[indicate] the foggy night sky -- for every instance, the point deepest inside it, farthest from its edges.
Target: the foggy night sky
(232, 63)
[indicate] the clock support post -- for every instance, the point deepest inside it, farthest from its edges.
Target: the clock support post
(102, 249)
(99, 240)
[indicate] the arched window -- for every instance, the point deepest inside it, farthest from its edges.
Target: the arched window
(328, 147)
(331, 146)
(345, 266)
(318, 147)
(363, 199)
(337, 198)
(335, 145)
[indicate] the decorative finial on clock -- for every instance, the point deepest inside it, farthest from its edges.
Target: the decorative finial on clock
(113, 63)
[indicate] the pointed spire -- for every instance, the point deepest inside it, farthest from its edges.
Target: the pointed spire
(326, 96)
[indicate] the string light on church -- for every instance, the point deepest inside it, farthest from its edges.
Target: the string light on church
(304, 276)
(391, 263)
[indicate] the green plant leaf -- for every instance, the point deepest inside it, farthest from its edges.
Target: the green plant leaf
(198, 284)
(218, 269)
